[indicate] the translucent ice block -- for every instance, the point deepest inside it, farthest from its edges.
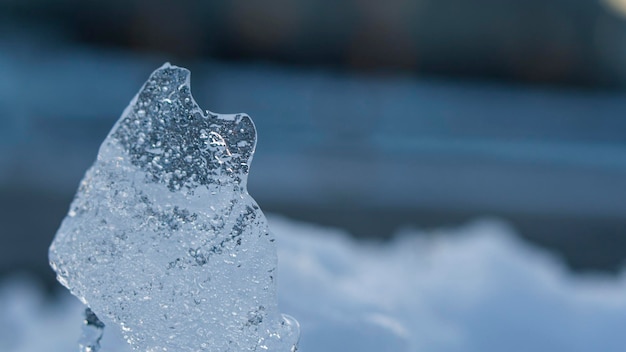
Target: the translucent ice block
(162, 239)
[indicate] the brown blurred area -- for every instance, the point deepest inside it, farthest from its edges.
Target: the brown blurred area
(565, 42)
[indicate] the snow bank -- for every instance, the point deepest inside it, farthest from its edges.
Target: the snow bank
(474, 288)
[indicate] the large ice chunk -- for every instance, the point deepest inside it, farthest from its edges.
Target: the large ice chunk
(162, 238)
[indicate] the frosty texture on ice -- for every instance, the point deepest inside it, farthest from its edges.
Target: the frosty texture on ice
(162, 238)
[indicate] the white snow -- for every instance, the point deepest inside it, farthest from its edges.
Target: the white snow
(470, 289)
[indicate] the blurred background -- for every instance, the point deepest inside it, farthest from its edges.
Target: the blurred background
(371, 115)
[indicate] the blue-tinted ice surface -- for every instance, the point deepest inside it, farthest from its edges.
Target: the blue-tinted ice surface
(162, 238)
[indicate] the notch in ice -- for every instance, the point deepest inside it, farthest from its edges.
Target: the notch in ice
(162, 239)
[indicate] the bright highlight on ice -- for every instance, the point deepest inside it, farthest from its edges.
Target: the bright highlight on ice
(162, 239)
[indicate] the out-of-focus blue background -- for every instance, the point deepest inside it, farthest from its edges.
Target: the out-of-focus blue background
(371, 115)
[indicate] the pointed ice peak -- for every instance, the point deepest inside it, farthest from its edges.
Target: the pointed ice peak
(166, 134)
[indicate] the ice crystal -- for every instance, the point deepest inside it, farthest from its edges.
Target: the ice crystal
(92, 332)
(162, 238)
